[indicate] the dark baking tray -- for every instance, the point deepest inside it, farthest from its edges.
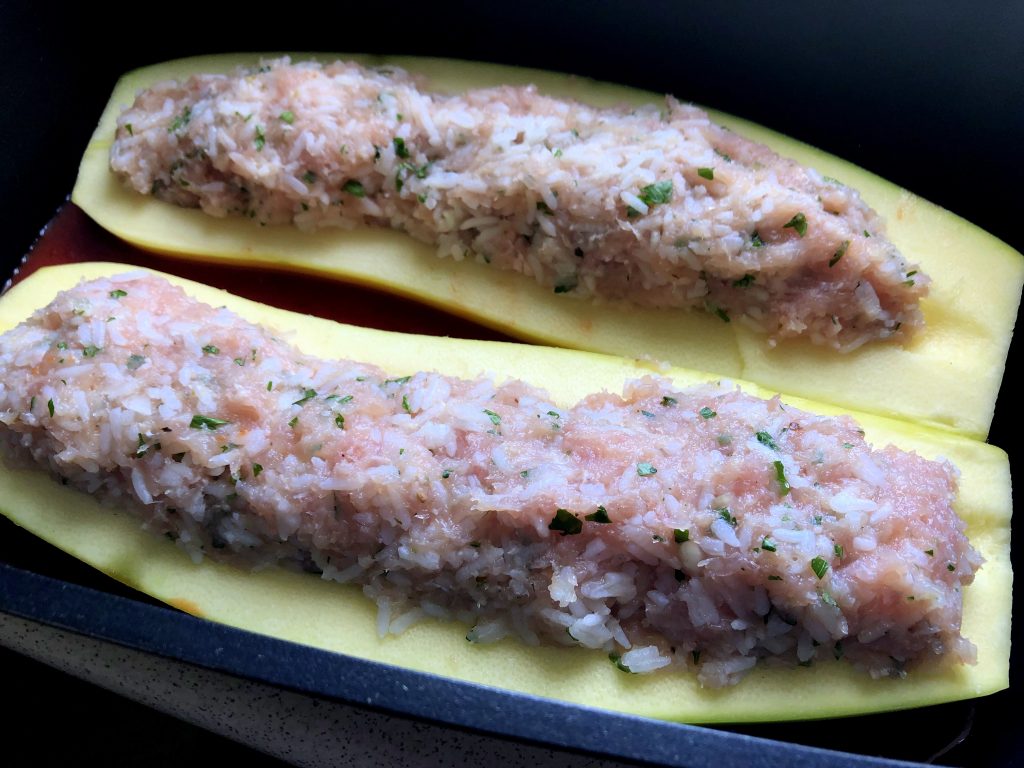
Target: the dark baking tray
(929, 97)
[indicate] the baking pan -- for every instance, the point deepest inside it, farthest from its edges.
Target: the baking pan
(928, 97)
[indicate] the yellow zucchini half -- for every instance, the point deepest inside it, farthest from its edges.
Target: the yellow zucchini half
(304, 609)
(948, 376)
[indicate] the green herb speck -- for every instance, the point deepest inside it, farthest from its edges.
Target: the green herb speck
(798, 223)
(307, 394)
(820, 567)
(681, 534)
(287, 117)
(707, 413)
(117, 293)
(657, 193)
(780, 478)
(645, 469)
(598, 516)
(134, 362)
(768, 544)
(744, 282)
(706, 173)
(565, 523)
(206, 422)
(839, 253)
(354, 188)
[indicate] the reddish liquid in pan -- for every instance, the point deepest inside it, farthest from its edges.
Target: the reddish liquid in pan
(72, 237)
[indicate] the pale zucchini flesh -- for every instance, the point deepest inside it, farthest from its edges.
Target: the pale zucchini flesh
(308, 610)
(948, 376)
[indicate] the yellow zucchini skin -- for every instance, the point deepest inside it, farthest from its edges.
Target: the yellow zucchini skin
(948, 376)
(304, 609)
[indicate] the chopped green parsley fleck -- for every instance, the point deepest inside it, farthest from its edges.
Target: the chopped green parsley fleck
(681, 534)
(706, 173)
(181, 120)
(728, 516)
(256, 469)
(718, 312)
(820, 567)
(768, 544)
(645, 469)
(798, 224)
(307, 394)
(780, 477)
(614, 658)
(117, 293)
(657, 193)
(827, 599)
(600, 515)
(949, 566)
(91, 350)
(495, 418)
(838, 549)
(309, 177)
(239, 361)
(839, 253)
(400, 148)
(261, 139)
(293, 421)
(339, 421)
(354, 188)
(930, 552)
(744, 282)
(446, 474)
(209, 349)
(405, 404)
(668, 402)
(565, 523)
(287, 117)
(206, 422)
(707, 413)
(766, 439)
(135, 362)
(756, 241)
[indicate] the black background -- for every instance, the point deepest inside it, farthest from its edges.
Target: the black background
(928, 95)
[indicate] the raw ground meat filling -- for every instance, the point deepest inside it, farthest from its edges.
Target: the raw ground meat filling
(703, 528)
(656, 206)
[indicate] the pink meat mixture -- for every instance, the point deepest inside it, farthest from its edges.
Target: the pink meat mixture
(703, 528)
(655, 206)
